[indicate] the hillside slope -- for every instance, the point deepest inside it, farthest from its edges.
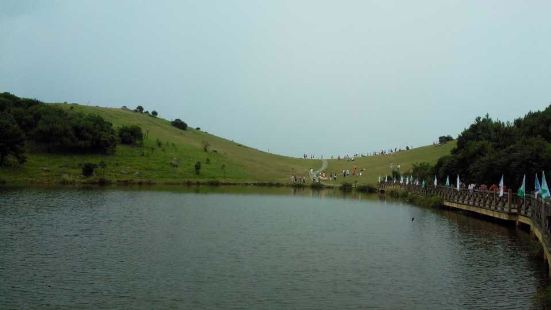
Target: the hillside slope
(169, 155)
(375, 166)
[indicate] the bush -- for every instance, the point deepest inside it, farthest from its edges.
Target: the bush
(139, 109)
(12, 140)
(178, 123)
(205, 146)
(444, 139)
(154, 113)
(131, 135)
(88, 169)
(197, 168)
(54, 129)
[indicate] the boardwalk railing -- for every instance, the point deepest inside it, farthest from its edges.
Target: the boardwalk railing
(515, 208)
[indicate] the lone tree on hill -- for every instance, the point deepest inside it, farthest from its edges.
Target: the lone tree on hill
(444, 139)
(12, 140)
(139, 109)
(178, 123)
(154, 113)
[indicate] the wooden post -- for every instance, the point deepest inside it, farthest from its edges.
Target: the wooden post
(509, 196)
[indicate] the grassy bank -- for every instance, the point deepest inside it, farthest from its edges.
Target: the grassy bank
(168, 156)
(429, 202)
(375, 166)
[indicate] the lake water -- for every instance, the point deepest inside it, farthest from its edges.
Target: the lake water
(239, 248)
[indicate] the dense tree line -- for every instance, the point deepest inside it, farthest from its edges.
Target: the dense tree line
(29, 123)
(490, 148)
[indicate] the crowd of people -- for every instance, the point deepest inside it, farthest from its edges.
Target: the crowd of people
(348, 157)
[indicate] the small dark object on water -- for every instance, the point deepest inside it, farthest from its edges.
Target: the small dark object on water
(412, 219)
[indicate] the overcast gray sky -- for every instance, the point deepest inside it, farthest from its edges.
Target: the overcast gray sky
(323, 77)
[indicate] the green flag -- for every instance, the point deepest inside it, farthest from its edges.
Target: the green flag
(522, 190)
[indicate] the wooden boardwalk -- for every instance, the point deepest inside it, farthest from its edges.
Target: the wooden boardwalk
(529, 211)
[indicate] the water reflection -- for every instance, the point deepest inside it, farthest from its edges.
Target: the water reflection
(251, 247)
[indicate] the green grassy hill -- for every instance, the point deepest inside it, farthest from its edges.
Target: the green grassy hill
(168, 155)
(375, 166)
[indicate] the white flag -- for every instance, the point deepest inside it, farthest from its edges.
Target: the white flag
(435, 181)
(458, 182)
(501, 187)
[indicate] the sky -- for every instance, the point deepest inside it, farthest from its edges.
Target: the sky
(288, 76)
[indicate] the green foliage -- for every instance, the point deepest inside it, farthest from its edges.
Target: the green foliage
(488, 149)
(444, 139)
(423, 201)
(12, 140)
(178, 123)
(88, 169)
(131, 135)
(139, 109)
(395, 174)
(197, 167)
(422, 171)
(54, 129)
(154, 113)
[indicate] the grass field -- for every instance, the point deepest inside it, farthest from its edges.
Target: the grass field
(375, 166)
(168, 155)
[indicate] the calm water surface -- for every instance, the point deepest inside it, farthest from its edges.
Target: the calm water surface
(277, 250)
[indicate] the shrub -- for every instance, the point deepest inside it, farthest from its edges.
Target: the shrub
(154, 113)
(12, 140)
(197, 168)
(444, 139)
(139, 109)
(178, 123)
(88, 169)
(205, 145)
(131, 135)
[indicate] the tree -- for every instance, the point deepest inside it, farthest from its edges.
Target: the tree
(154, 113)
(444, 139)
(422, 171)
(12, 140)
(178, 123)
(139, 109)
(130, 135)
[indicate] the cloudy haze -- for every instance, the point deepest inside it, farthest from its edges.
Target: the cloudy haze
(323, 77)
